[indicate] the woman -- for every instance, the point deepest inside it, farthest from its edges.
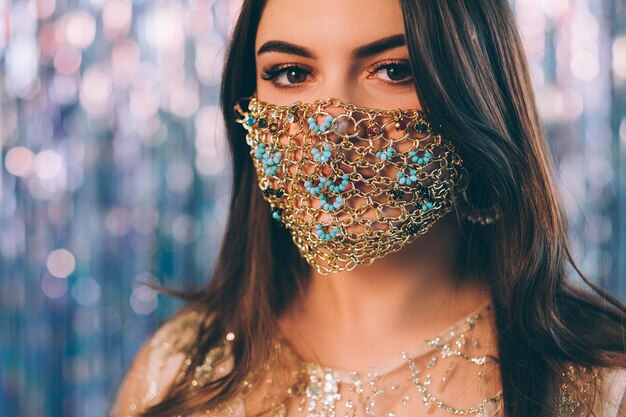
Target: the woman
(396, 250)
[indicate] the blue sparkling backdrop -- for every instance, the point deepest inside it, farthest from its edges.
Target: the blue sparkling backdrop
(113, 172)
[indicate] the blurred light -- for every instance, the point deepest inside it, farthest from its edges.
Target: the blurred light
(207, 120)
(95, 91)
(19, 161)
(48, 164)
(80, 28)
(554, 8)
(43, 8)
(61, 263)
(143, 278)
(184, 228)
(97, 4)
(619, 57)
(143, 300)
(63, 90)
(144, 103)
(147, 129)
(210, 141)
(532, 26)
(210, 131)
(41, 189)
(67, 60)
(164, 29)
(86, 291)
(600, 171)
(584, 29)
(209, 165)
(53, 287)
(558, 104)
(116, 17)
(184, 101)
(5, 28)
(47, 42)
(21, 65)
(124, 61)
(201, 20)
(584, 65)
(209, 57)
(25, 23)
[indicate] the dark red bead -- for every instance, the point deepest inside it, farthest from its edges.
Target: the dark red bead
(372, 131)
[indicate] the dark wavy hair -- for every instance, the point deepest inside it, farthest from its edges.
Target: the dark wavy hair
(471, 74)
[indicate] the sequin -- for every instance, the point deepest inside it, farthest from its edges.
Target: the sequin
(423, 378)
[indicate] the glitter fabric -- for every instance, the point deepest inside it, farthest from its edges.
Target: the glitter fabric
(352, 184)
(452, 373)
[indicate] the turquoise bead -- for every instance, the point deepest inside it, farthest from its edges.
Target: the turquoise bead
(386, 154)
(319, 231)
(270, 162)
(422, 160)
(320, 128)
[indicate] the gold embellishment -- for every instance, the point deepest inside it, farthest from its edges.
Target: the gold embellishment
(351, 184)
(577, 381)
(325, 392)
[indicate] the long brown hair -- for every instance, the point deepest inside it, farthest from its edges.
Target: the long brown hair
(471, 74)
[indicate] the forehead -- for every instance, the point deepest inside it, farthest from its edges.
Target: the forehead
(328, 26)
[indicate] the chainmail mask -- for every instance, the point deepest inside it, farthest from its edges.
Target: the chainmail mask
(351, 184)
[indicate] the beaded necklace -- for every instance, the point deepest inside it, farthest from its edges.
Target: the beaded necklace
(322, 391)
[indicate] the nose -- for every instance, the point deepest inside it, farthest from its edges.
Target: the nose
(338, 84)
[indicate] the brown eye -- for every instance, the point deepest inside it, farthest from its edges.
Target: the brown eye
(295, 75)
(286, 76)
(397, 72)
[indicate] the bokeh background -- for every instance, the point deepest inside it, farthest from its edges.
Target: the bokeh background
(114, 172)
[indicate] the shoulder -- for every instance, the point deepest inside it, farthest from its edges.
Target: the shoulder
(613, 392)
(159, 362)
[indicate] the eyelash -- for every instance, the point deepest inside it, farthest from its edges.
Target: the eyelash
(270, 74)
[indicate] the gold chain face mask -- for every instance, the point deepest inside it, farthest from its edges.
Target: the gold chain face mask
(351, 184)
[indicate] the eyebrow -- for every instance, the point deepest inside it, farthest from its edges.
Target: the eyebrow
(364, 51)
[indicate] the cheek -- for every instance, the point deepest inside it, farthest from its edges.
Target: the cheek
(267, 92)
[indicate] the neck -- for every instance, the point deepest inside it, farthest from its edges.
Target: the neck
(396, 301)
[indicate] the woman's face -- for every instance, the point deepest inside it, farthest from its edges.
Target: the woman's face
(353, 50)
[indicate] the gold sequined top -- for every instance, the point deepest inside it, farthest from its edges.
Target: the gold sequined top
(452, 373)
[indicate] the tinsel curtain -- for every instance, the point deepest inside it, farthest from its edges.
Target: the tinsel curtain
(114, 172)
